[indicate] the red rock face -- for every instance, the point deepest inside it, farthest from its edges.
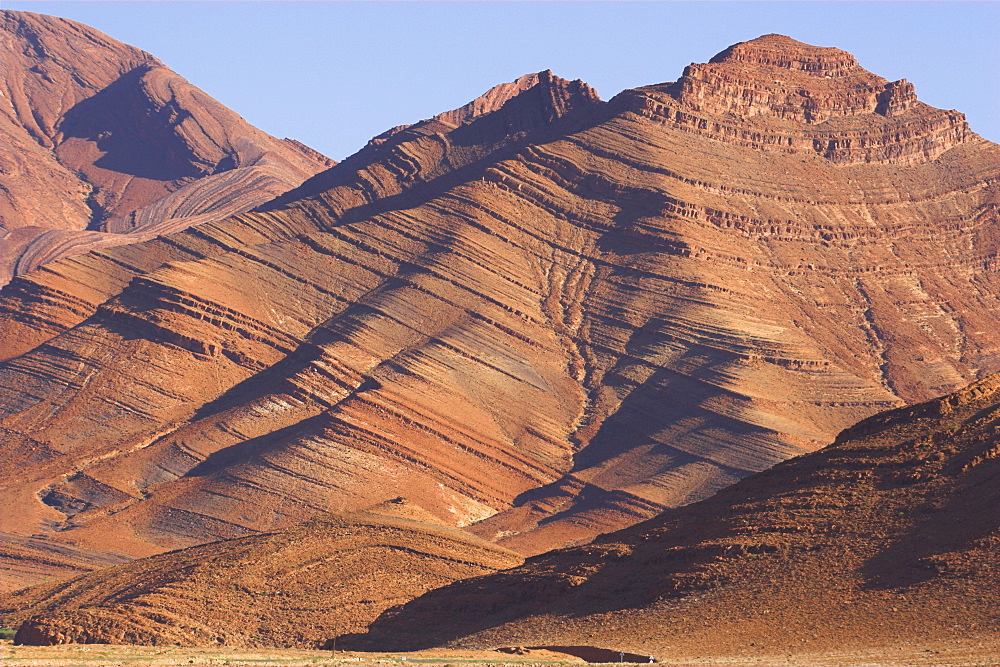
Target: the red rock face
(108, 146)
(540, 317)
(803, 99)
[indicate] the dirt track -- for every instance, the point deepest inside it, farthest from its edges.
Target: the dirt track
(976, 653)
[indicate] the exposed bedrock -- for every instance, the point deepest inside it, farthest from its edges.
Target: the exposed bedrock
(297, 587)
(541, 317)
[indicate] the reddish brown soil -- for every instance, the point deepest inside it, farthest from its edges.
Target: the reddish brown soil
(888, 538)
(298, 587)
(103, 145)
(541, 316)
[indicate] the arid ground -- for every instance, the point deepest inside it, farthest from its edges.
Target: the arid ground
(939, 654)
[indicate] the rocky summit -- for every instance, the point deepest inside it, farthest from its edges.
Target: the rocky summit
(539, 317)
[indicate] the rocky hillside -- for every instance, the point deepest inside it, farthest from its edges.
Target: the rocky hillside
(105, 145)
(297, 587)
(540, 317)
(888, 538)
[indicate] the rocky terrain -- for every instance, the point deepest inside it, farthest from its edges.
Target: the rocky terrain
(288, 588)
(887, 539)
(539, 317)
(105, 145)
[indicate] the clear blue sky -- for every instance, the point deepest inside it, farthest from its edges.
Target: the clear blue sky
(334, 74)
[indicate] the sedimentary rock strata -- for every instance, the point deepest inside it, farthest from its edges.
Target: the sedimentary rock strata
(540, 317)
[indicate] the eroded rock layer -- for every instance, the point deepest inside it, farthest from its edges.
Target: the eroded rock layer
(541, 317)
(104, 145)
(887, 538)
(297, 587)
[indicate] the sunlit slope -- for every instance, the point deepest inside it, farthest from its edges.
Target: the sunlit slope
(298, 587)
(104, 145)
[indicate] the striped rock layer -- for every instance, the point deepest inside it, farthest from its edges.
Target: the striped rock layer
(104, 145)
(540, 317)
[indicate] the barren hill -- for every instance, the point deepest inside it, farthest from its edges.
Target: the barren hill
(541, 316)
(888, 538)
(290, 588)
(104, 145)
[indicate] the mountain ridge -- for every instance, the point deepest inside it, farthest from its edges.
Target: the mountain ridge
(556, 319)
(113, 147)
(333, 571)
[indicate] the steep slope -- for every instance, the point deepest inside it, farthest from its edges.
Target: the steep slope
(280, 589)
(541, 316)
(106, 146)
(887, 538)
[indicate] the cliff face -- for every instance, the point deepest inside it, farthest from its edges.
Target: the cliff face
(540, 316)
(836, 108)
(886, 539)
(108, 146)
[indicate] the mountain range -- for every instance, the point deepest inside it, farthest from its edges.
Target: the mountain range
(536, 319)
(888, 537)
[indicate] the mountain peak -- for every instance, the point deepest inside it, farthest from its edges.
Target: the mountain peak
(129, 148)
(776, 93)
(779, 51)
(777, 76)
(498, 95)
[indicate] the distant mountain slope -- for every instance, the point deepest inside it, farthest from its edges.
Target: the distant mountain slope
(888, 538)
(26, 560)
(297, 587)
(104, 145)
(541, 317)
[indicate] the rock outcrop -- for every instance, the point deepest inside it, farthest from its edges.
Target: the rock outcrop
(540, 317)
(849, 115)
(887, 538)
(104, 145)
(299, 587)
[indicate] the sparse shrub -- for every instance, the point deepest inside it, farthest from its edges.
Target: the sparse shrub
(7, 633)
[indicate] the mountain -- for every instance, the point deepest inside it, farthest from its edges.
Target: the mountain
(540, 317)
(276, 589)
(106, 145)
(887, 539)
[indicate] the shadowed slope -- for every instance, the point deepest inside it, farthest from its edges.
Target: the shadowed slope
(889, 537)
(552, 320)
(108, 146)
(297, 587)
